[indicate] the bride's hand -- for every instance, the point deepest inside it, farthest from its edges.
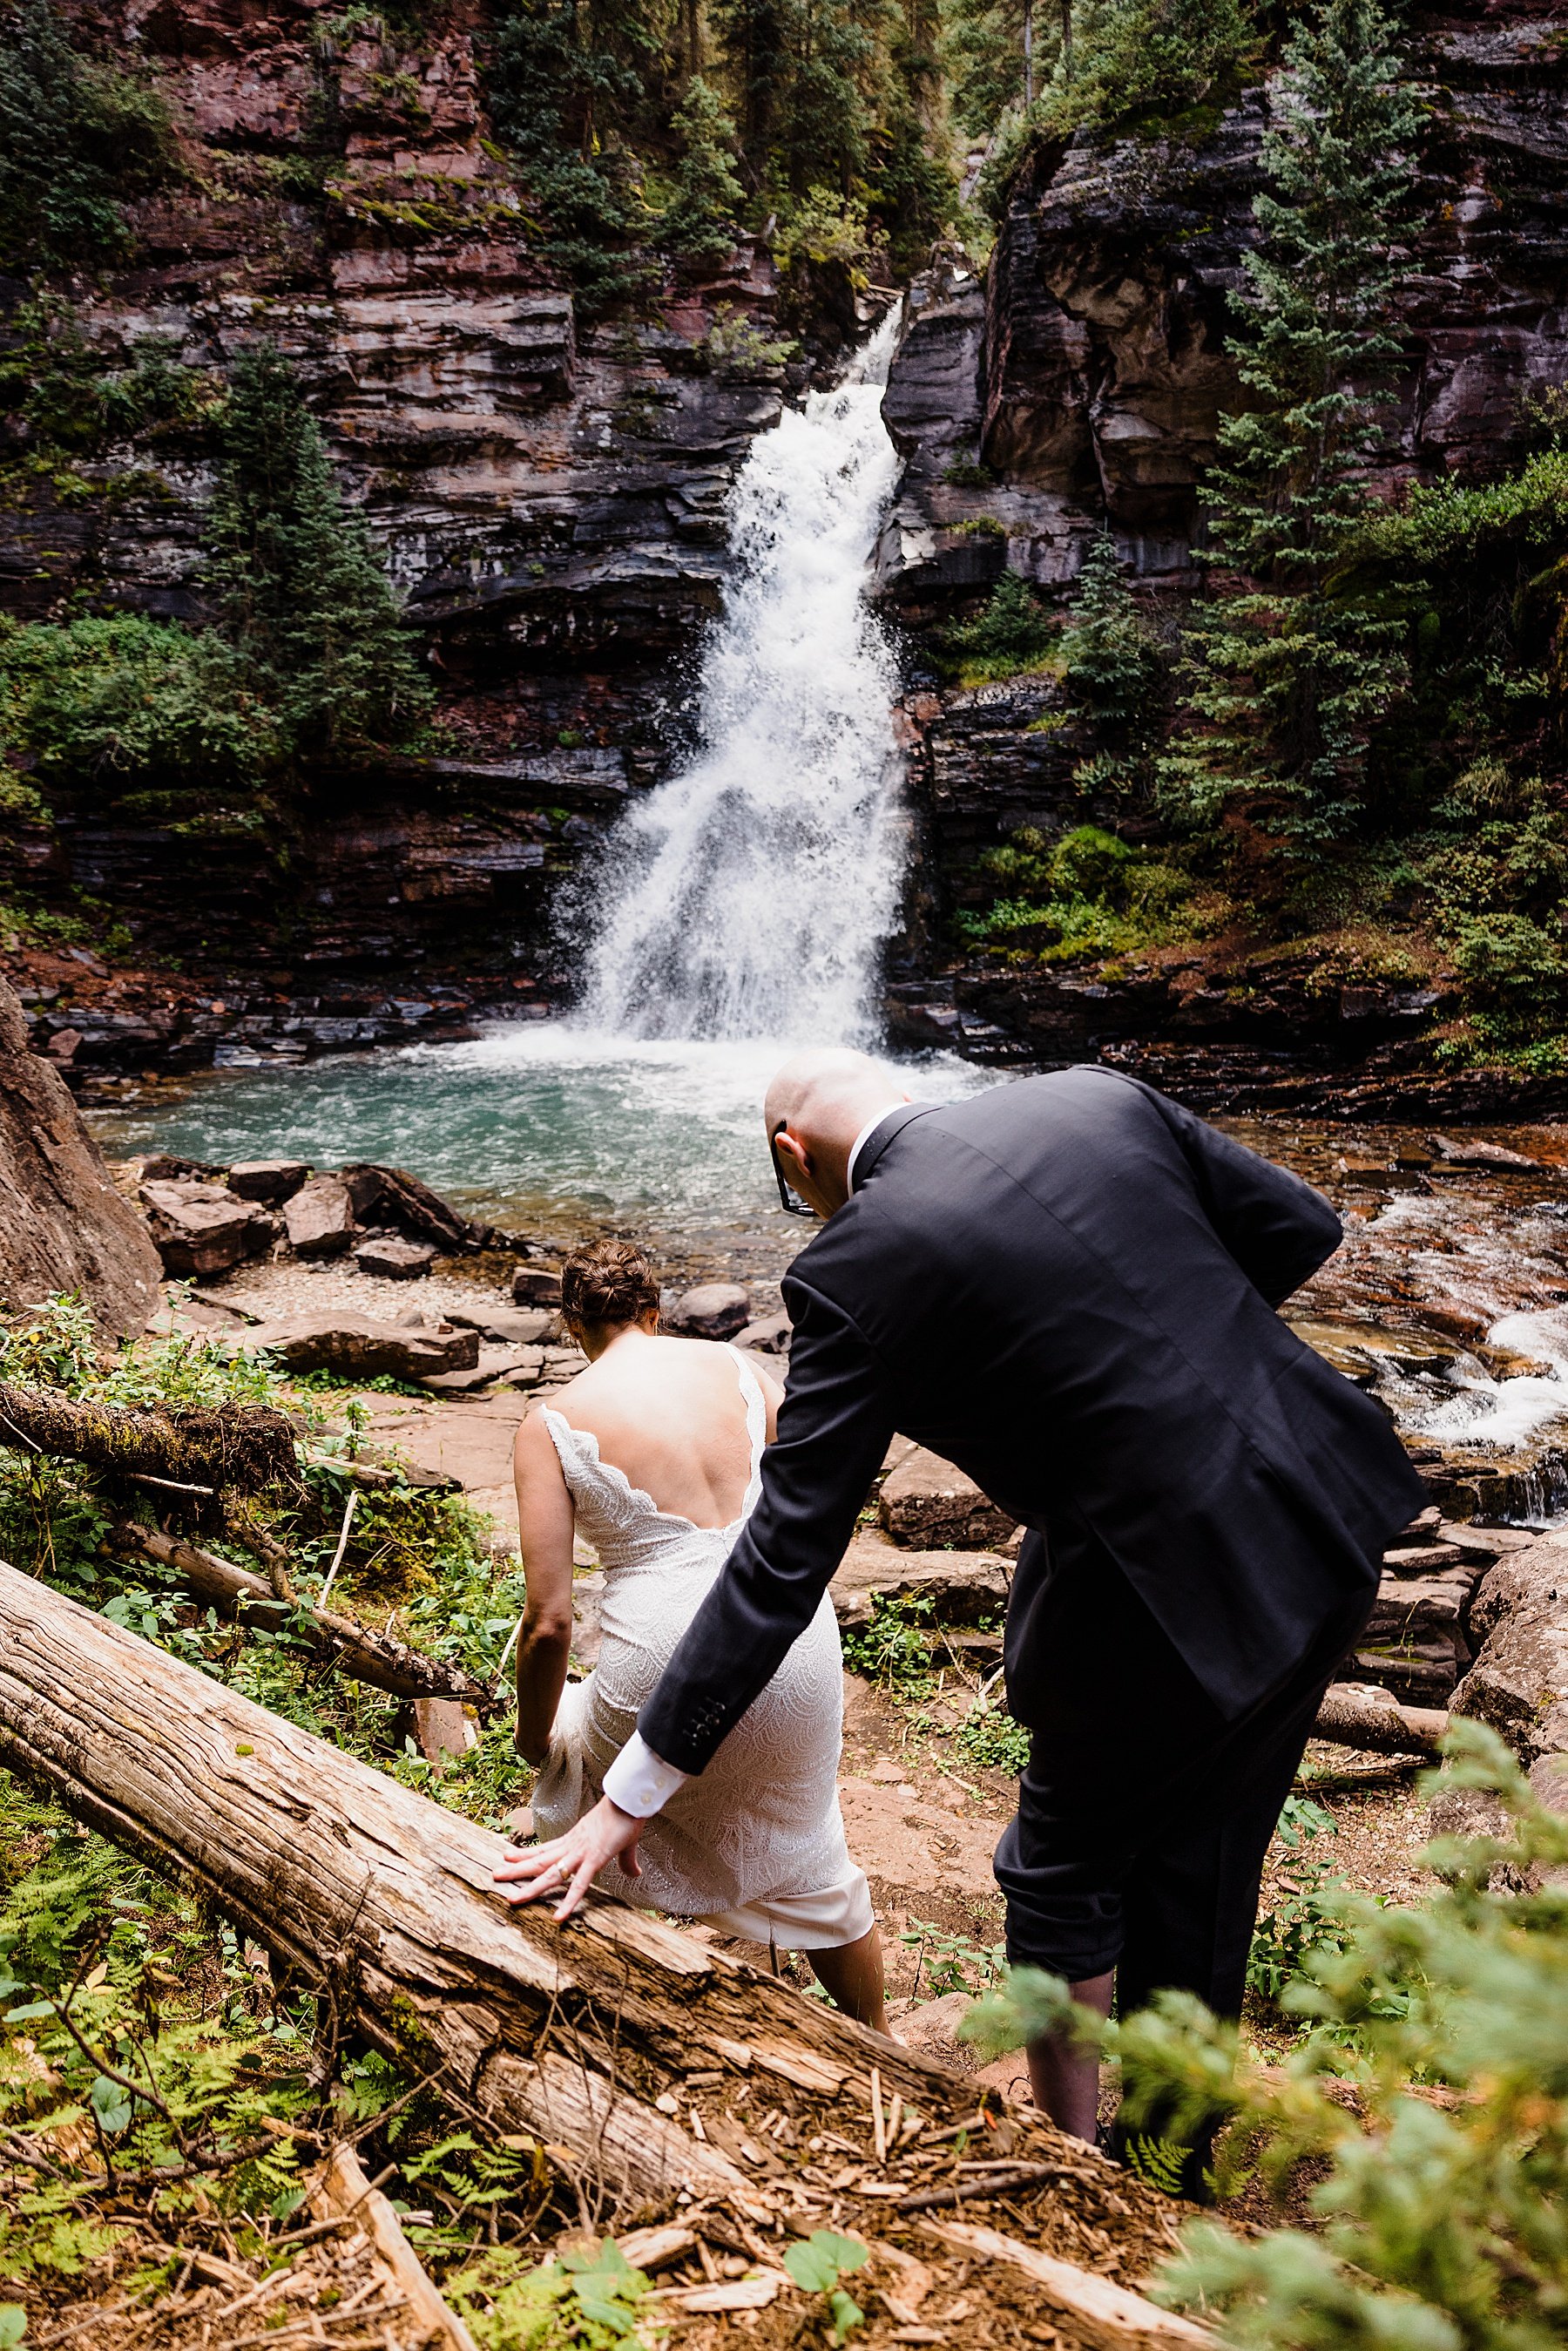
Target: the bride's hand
(572, 1861)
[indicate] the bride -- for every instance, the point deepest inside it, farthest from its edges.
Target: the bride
(654, 1454)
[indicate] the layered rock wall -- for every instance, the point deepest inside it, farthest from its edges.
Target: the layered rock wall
(549, 495)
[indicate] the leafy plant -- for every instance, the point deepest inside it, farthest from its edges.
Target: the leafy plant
(104, 701)
(989, 1736)
(76, 137)
(949, 1962)
(1088, 892)
(1304, 1919)
(584, 2300)
(892, 1648)
(700, 220)
(818, 2263)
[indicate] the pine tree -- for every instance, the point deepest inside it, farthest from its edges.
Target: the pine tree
(700, 223)
(1290, 672)
(298, 587)
(1112, 664)
(916, 191)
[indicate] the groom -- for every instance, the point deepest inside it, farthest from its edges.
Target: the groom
(1067, 1285)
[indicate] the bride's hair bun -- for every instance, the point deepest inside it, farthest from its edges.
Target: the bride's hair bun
(608, 1282)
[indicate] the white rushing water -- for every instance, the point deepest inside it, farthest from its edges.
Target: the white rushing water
(749, 895)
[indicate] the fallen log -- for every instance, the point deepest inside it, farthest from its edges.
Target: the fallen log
(363, 1655)
(648, 2065)
(241, 1447)
(1363, 1715)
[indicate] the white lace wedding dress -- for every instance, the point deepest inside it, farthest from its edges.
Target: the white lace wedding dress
(755, 1844)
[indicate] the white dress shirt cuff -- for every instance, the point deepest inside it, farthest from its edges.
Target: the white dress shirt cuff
(640, 1781)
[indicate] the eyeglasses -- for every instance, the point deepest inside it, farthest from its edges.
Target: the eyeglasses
(790, 1200)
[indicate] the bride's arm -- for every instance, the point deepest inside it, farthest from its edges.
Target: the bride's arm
(545, 1530)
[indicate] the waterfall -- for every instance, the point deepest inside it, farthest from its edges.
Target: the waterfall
(749, 894)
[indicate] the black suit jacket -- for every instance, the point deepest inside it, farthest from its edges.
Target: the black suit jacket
(1067, 1286)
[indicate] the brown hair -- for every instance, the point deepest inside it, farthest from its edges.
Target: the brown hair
(608, 1282)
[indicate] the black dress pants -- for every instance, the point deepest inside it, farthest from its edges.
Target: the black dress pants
(1144, 1816)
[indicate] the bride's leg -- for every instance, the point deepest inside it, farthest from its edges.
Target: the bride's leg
(852, 1978)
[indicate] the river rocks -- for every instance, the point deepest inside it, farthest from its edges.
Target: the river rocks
(356, 1346)
(201, 1230)
(768, 1335)
(925, 1503)
(714, 1310)
(536, 1285)
(520, 1367)
(390, 1195)
(271, 1181)
(63, 1225)
(394, 1258)
(507, 1325)
(319, 1218)
(962, 1586)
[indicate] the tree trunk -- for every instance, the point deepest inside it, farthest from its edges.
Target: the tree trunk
(240, 1447)
(1360, 1715)
(646, 2065)
(364, 1656)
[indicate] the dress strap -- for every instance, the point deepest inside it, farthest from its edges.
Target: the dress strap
(756, 1427)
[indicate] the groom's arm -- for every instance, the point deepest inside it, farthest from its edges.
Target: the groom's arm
(834, 1428)
(1278, 1229)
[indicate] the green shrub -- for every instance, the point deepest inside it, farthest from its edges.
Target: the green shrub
(701, 221)
(102, 701)
(892, 1648)
(1088, 892)
(989, 1736)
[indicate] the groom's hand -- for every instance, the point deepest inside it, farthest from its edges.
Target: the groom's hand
(572, 1861)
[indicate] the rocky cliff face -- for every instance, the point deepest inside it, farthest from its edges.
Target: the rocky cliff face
(549, 495)
(1086, 373)
(63, 1225)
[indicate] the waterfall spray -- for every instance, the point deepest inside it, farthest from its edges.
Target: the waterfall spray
(749, 895)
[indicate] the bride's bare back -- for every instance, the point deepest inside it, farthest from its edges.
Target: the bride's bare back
(670, 1415)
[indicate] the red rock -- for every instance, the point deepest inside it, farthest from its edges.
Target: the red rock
(358, 1346)
(63, 1225)
(925, 1503)
(202, 1229)
(319, 1218)
(272, 1180)
(536, 1285)
(715, 1310)
(395, 1260)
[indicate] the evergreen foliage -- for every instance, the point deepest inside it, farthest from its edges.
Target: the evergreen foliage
(76, 137)
(1014, 632)
(1440, 2189)
(700, 220)
(565, 78)
(300, 590)
(1113, 666)
(824, 119)
(1290, 668)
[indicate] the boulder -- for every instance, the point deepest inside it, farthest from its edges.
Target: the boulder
(269, 1180)
(394, 1258)
(319, 1218)
(962, 1586)
(390, 1195)
(63, 1225)
(359, 1347)
(714, 1310)
(509, 1326)
(519, 1366)
(769, 1334)
(1519, 1682)
(200, 1229)
(925, 1503)
(536, 1285)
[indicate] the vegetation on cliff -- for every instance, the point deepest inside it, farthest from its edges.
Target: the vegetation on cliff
(1358, 740)
(643, 131)
(77, 136)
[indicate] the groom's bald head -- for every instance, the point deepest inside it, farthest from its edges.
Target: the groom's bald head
(816, 1105)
